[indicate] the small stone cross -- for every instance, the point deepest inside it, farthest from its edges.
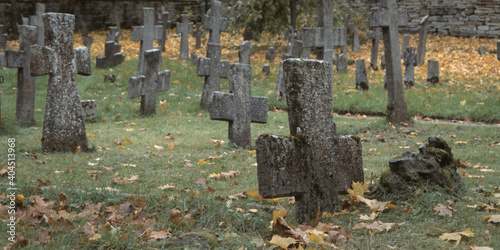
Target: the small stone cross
(25, 102)
(63, 124)
(112, 56)
(185, 29)
(215, 23)
(146, 34)
(245, 52)
(113, 35)
(197, 34)
(213, 69)
(147, 85)
(271, 54)
(312, 163)
(409, 61)
(165, 22)
(239, 107)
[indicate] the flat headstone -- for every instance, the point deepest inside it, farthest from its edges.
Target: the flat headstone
(245, 51)
(342, 63)
(266, 69)
(194, 58)
(112, 56)
(239, 107)
(146, 86)
(361, 76)
(271, 54)
(409, 62)
(432, 72)
(422, 40)
(113, 35)
(184, 28)
(213, 69)
(215, 23)
(312, 163)
(482, 50)
(198, 34)
(165, 23)
(89, 108)
(146, 34)
(390, 18)
(405, 43)
(374, 35)
(63, 124)
(25, 102)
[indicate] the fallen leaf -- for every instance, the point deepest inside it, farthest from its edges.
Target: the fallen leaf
(94, 237)
(156, 147)
(456, 236)
(376, 226)
(201, 181)
(443, 210)
(472, 247)
(127, 140)
(358, 188)
(160, 235)
(282, 242)
(126, 180)
(372, 216)
(493, 218)
(166, 186)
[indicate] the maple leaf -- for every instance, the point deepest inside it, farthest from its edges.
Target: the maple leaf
(282, 242)
(493, 218)
(339, 235)
(159, 235)
(443, 210)
(358, 188)
(473, 247)
(44, 236)
(456, 236)
(277, 214)
(374, 205)
(95, 236)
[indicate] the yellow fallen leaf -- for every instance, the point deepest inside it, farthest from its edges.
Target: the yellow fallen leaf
(493, 218)
(473, 247)
(90, 135)
(282, 242)
(166, 186)
(95, 237)
(156, 147)
(122, 147)
(372, 216)
(463, 102)
(130, 130)
(171, 146)
(358, 188)
(277, 214)
(93, 164)
(128, 140)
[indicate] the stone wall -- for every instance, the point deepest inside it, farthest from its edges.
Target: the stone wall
(464, 18)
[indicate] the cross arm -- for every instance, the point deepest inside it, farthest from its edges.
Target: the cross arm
(163, 81)
(14, 59)
(82, 61)
(381, 17)
(313, 37)
(281, 169)
(339, 37)
(209, 23)
(223, 106)
(136, 33)
(42, 60)
(135, 86)
(258, 109)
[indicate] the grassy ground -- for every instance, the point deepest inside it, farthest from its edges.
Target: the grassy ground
(166, 162)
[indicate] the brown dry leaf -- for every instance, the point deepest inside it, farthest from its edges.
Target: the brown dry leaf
(217, 143)
(376, 226)
(473, 247)
(493, 218)
(339, 235)
(117, 142)
(43, 236)
(41, 183)
(443, 210)
(374, 205)
(4, 171)
(372, 216)
(61, 224)
(282, 242)
(126, 180)
(63, 202)
(201, 181)
(160, 235)
(408, 210)
(242, 195)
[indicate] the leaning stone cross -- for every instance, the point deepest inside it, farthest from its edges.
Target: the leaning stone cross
(147, 85)
(25, 102)
(185, 29)
(213, 69)
(63, 124)
(197, 34)
(375, 36)
(239, 107)
(390, 18)
(215, 23)
(312, 163)
(146, 34)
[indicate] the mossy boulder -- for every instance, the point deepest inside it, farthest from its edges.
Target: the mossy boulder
(433, 165)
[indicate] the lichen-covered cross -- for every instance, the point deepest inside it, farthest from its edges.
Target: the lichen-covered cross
(215, 23)
(112, 56)
(213, 69)
(146, 34)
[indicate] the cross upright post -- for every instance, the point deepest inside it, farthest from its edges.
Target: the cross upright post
(40, 10)
(239, 107)
(213, 69)
(63, 124)
(146, 34)
(3, 45)
(25, 102)
(215, 23)
(375, 36)
(165, 22)
(185, 29)
(389, 19)
(197, 34)
(146, 86)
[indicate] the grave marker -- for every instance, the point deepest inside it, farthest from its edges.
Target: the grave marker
(432, 72)
(3, 46)
(239, 107)
(151, 82)
(89, 108)
(422, 40)
(215, 23)
(112, 56)
(165, 23)
(266, 69)
(63, 124)
(184, 28)
(390, 18)
(194, 58)
(375, 36)
(342, 63)
(405, 44)
(38, 22)
(312, 163)
(271, 54)
(361, 76)
(113, 35)
(197, 34)
(245, 52)
(146, 34)
(482, 50)
(409, 62)
(498, 50)
(213, 69)
(280, 84)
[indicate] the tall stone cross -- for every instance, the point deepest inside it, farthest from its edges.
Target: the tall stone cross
(390, 18)
(112, 56)
(165, 22)
(63, 124)
(422, 40)
(239, 107)
(147, 85)
(213, 69)
(312, 163)
(25, 102)
(185, 29)
(215, 23)
(38, 22)
(146, 34)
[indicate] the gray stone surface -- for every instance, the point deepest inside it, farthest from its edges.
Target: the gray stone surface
(213, 69)
(113, 35)
(409, 62)
(312, 163)
(88, 41)
(432, 72)
(266, 69)
(355, 40)
(25, 102)
(112, 56)
(405, 43)
(215, 23)
(38, 22)
(382, 62)
(280, 84)
(361, 76)
(238, 107)
(194, 58)
(89, 108)
(374, 35)
(63, 124)
(3, 45)
(184, 28)
(422, 40)
(342, 63)
(146, 34)
(165, 23)
(498, 50)
(245, 51)
(198, 34)
(271, 54)
(390, 18)
(482, 50)
(151, 82)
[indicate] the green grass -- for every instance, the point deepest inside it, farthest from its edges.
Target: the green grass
(119, 117)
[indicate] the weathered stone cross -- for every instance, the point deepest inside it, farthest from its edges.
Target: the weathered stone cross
(375, 36)
(38, 22)
(239, 107)
(146, 34)
(3, 45)
(213, 69)
(63, 124)
(215, 23)
(113, 35)
(312, 163)
(147, 85)
(197, 34)
(165, 22)
(185, 29)
(25, 102)
(390, 18)
(112, 56)
(246, 49)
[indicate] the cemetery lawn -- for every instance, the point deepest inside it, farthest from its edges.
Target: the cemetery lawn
(148, 180)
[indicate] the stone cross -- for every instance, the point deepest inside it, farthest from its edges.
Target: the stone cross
(185, 29)
(38, 22)
(432, 72)
(312, 163)
(112, 56)
(197, 34)
(390, 18)
(271, 54)
(374, 35)
(25, 102)
(63, 124)
(498, 50)
(296, 50)
(239, 107)
(113, 35)
(165, 22)
(245, 52)
(146, 34)
(215, 23)
(355, 40)
(147, 85)
(422, 40)
(194, 58)
(409, 61)
(266, 69)
(3, 45)
(361, 76)
(213, 69)
(405, 44)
